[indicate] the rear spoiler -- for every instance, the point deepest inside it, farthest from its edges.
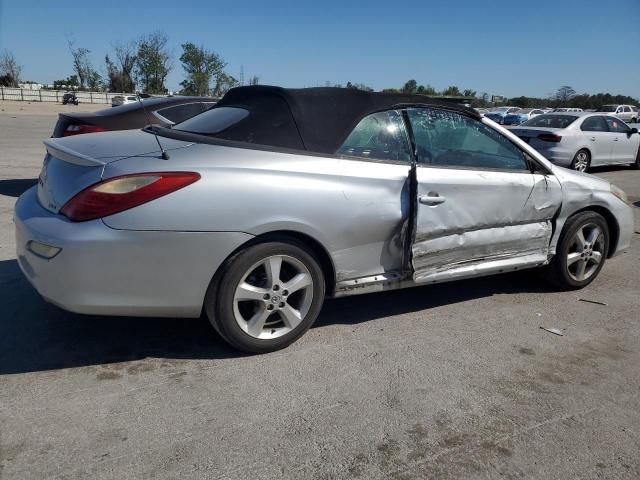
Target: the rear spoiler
(56, 149)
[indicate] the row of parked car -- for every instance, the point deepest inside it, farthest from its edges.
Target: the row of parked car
(516, 116)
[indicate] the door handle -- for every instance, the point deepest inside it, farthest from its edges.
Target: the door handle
(431, 198)
(593, 139)
(615, 139)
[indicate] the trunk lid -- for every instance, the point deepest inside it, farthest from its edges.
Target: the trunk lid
(74, 163)
(531, 134)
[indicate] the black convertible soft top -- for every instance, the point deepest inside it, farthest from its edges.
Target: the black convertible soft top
(314, 119)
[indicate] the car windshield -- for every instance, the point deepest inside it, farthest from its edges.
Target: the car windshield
(607, 108)
(525, 110)
(500, 109)
(550, 121)
(213, 121)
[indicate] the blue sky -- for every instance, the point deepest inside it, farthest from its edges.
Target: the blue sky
(500, 47)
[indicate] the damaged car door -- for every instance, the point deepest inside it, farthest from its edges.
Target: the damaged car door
(480, 208)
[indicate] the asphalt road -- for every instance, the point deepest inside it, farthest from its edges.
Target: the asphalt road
(448, 381)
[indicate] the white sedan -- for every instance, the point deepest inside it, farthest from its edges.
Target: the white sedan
(579, 141)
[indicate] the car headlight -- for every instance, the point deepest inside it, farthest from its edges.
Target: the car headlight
(618, 192)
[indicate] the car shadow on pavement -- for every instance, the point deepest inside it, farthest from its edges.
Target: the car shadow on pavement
(36, 336)
(16, 187)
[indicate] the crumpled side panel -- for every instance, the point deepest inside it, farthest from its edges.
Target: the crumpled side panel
(482, 250)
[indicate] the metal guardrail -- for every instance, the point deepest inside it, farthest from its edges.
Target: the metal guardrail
(42, 95)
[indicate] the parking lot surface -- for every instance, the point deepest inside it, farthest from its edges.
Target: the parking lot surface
(449, 381)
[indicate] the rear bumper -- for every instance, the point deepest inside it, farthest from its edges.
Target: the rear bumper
(557, 155)
(104, 271)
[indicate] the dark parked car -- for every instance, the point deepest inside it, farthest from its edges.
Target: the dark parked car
(164, 111)
(69, 97)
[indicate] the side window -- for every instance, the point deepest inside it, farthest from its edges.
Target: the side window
(379, 136)
(180, 113)
(627, 109)
(448, 139)
(594, 124)
(617, 126)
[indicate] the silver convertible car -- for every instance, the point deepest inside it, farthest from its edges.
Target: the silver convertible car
(257, 209)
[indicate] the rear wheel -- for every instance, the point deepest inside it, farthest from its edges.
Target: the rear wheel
(266, 297)
(581, 251)
(581, 161)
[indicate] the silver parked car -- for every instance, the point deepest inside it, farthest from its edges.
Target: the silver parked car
(623, 112)
(582, 140)
(257, 209)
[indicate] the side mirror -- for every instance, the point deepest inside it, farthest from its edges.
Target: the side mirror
(633, 130)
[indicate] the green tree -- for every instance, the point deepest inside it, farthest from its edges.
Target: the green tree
(10, 69)
(200, 67)
(71, 82)
(428, 90)
(565, 93)
(410, 86)
(81, 63)
(359, 86)
(452, 91)
(469, 93)
(224, 83)
(153, 62)
(120, 67)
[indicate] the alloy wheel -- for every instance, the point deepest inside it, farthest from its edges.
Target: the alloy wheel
(273, 297)
(586, 252)
(581, 162)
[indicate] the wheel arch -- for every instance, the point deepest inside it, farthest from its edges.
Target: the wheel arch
(314, 245)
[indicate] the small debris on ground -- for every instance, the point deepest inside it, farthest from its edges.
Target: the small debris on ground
(556, 331)
(592, 301)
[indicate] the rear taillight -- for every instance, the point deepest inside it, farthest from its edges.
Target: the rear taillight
(122, 193)
(549, 137)
(80, 129)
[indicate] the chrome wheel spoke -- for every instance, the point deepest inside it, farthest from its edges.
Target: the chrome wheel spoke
(246, 291)
(594, 234)
(596, 257)
(573, 258)
(290, 316)
(301, 280)
(580, 238)
(256, 323)
(580, 269)
(272, 266)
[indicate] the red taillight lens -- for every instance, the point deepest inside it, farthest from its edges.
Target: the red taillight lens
(80, 129)
(549, 137)
(122, 193)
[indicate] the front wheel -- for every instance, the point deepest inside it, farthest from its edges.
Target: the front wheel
(581, 251)
(581, 161)
(266, 297)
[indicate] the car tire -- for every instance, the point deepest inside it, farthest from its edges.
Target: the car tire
(248, 302)
(581, 251)
(581, 161)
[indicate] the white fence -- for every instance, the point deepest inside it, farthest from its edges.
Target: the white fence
(27, 95)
